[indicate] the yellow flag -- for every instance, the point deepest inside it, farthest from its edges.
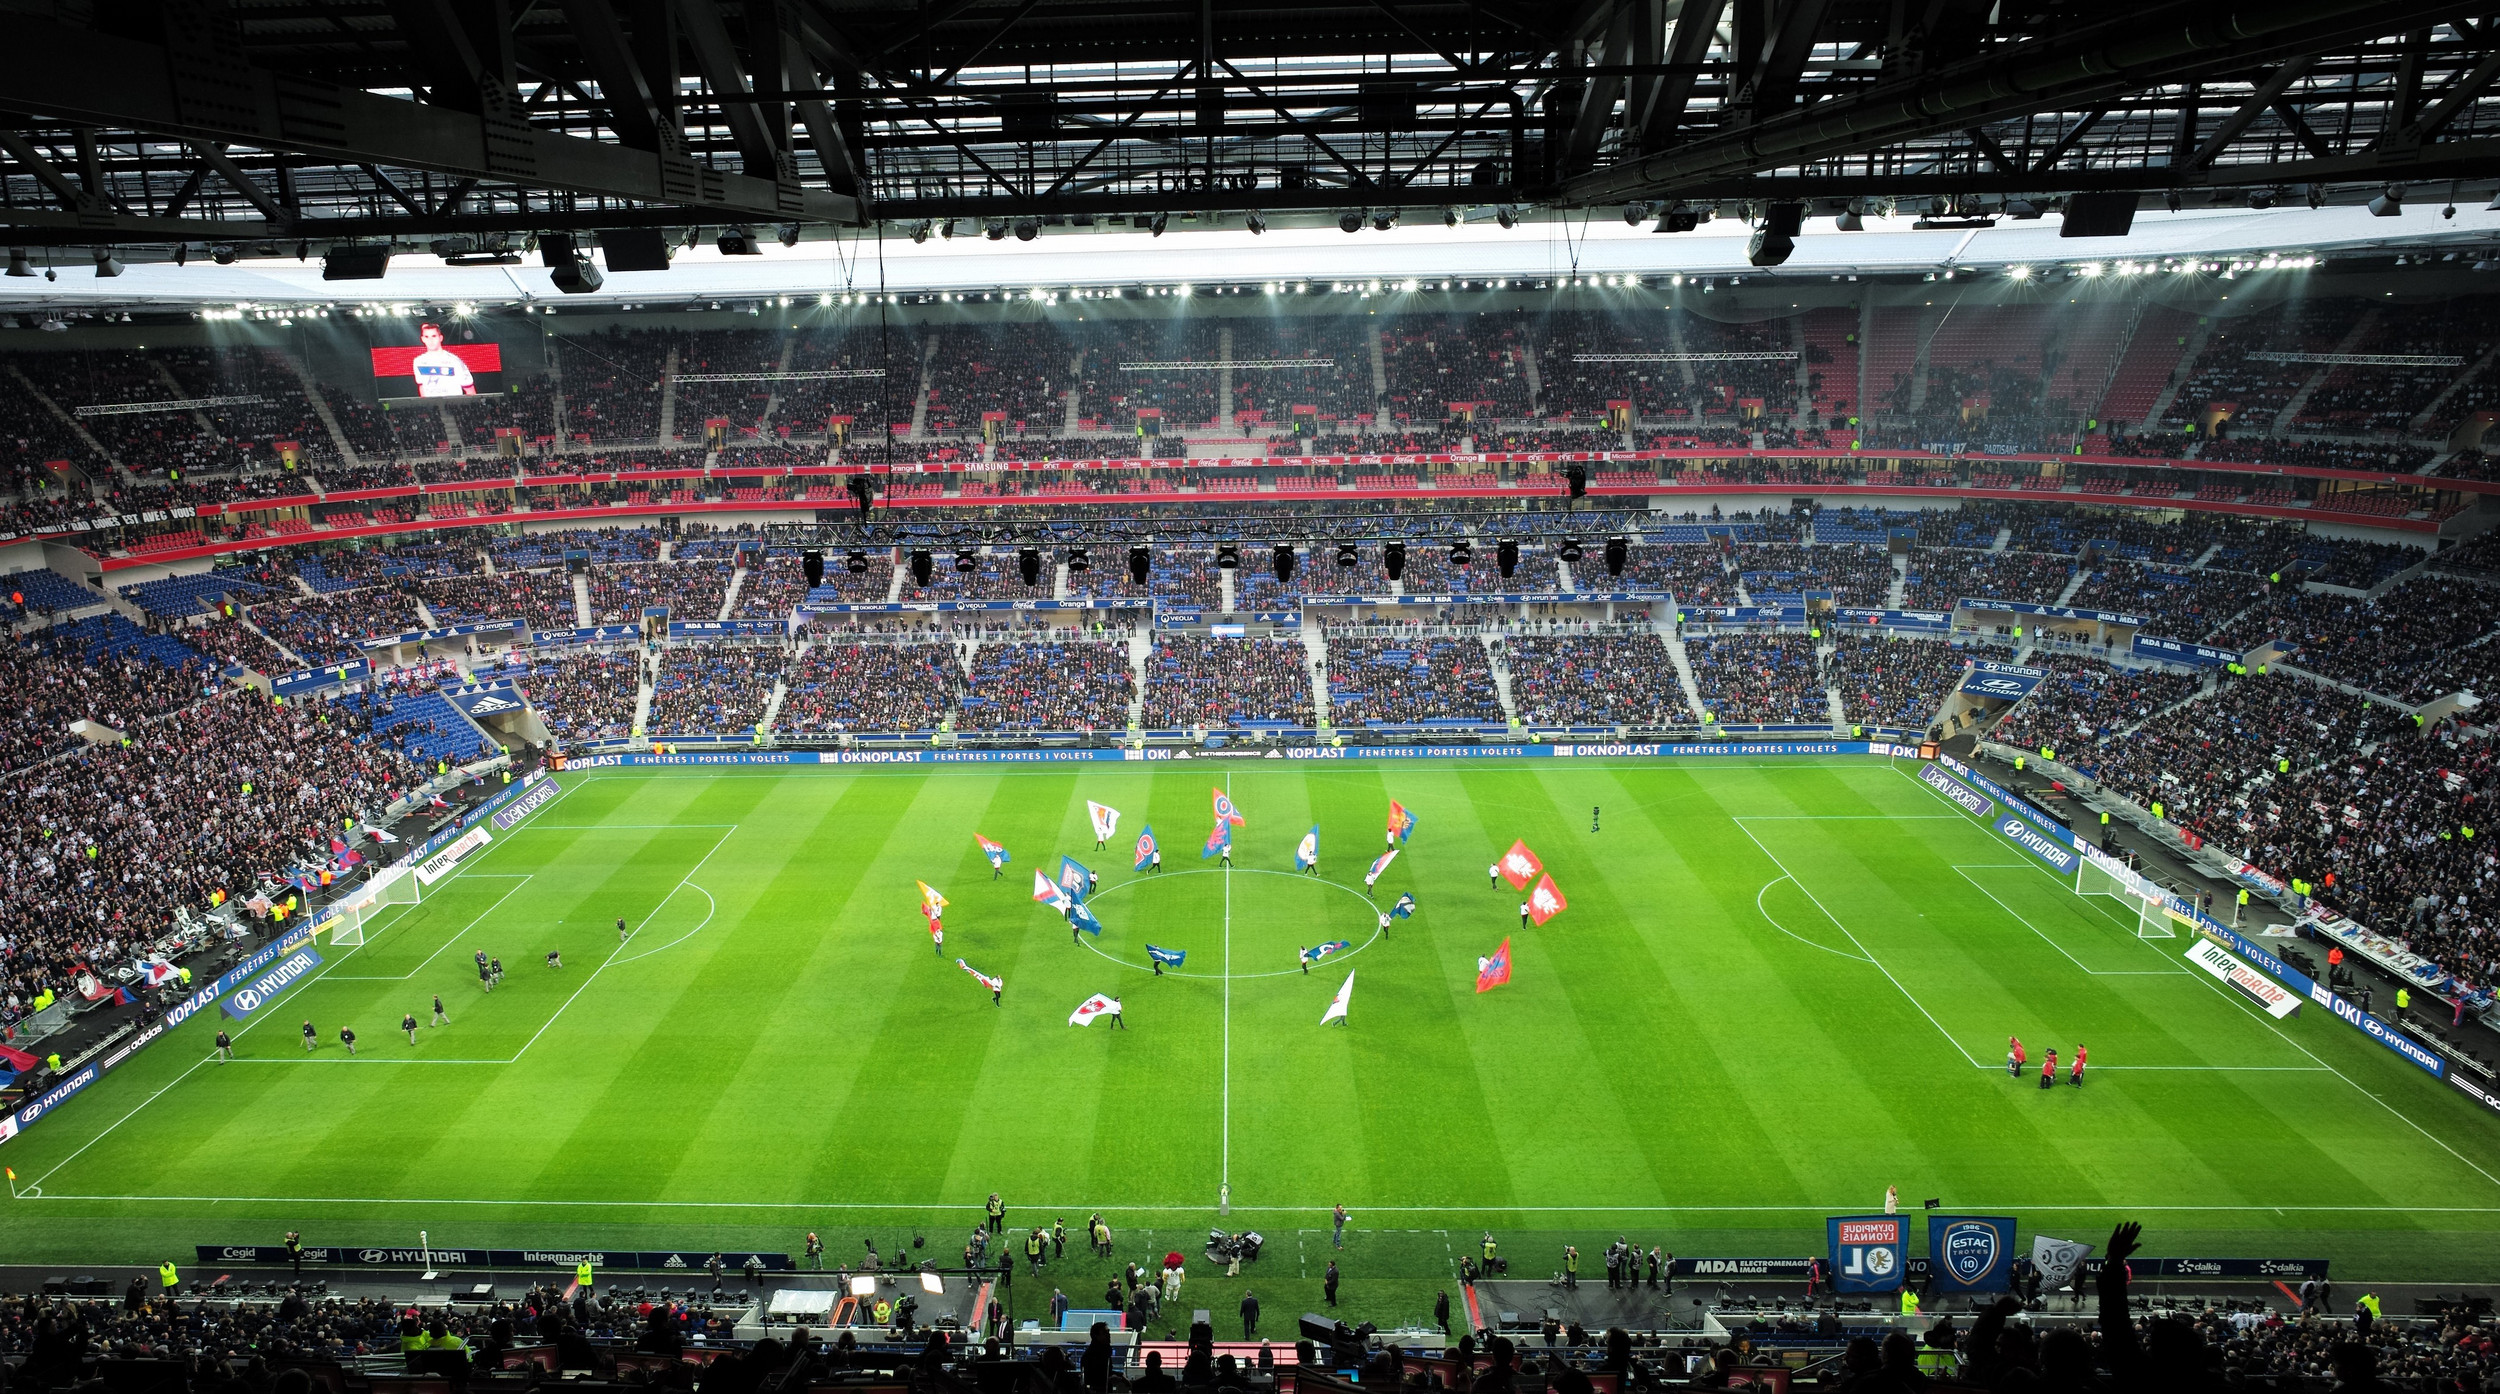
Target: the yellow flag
(929, 897)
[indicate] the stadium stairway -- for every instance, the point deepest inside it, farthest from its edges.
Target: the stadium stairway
(772, 704)
(1899, 590)
(1683, 662)
(1314, 664)
(772, 401)
(1501, 678)
(642, 693)
(2004, 539)
(321, 409)
(2197, 336)
(2074, 583)
(1568, 581)
(2422, 420)
(1141, 646)
(2354, 334)
(668, 398)
(729, 605)
(33, 393)
(920, 393)
(581, 599)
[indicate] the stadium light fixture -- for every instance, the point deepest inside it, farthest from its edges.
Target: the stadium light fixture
(994, 230)
(1393, 560)
(1028, 565)
(1570, 550)
(1256, 221)
(1504, 215)
(1228, 557)
(1345, 555)
(1382, 222)
(1139, 562)
(1461, 554)
(1079, 562)
(1155, 228)
(2390, 204)
(1283, 562)
(922, 565)
(1449, 217)
(1633, 213)
(856, 562)
(812, 567)
(19, 265)
(1617, 553)
(2018, 273)
(967, 561)
(1506, 556)
(1350, 221)
(738, 242)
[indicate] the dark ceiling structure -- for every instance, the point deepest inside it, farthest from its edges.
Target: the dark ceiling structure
(469, 125)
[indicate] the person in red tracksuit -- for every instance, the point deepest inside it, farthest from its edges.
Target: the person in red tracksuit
(2048, 1068)
(2014, 1056)
(2076, 1079)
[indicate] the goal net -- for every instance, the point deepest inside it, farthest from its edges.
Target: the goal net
(2137, 898)
(364, 910)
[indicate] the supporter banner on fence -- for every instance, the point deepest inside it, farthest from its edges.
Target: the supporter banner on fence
(1937, 620)
(941, 607)
(315, 679)
(2009, 681)
(428, 636)
(1869, 1253)
(1494, 598)
(476, 814)
(2181, 651)
(2049, 612)
(277, 978)
(441, 864)
(1955, 790)
(2279, 1001)
(1744, 614)
(649, 1260)
(1970, 1253)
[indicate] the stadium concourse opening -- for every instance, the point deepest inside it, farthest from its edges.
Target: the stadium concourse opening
(1478, 794)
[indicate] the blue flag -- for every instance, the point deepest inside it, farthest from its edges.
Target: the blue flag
(1083, 918)
(1220, 840)
(1145, 848)
(1308, 853)
(1319, 951)
(1169, 958)
(1074, 878)
(998, 855)
(1405, 908)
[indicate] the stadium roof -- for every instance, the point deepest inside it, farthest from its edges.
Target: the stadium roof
(1468, 257)
(212, 122)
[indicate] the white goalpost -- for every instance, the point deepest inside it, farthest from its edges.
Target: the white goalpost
(2138, 898)
(390, 888)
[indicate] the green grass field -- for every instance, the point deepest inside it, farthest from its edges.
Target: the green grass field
(1780, 987)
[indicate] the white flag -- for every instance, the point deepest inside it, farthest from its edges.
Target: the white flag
(2057, 1259)
(1106, 819)
(1345, 998)
(1094, 1006)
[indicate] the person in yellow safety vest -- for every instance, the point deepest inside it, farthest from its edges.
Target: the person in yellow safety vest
(2404, 998)
(1909, 1301)
(582, 1276)
(1488, 1249)
(411, 1335)
(167, 1274)
(52, 1062)
(2021, 763)
(438, 1336)
(885, 1312)
(2157, 808)
(2046, 753)
(2243, 897)
(2104, 817)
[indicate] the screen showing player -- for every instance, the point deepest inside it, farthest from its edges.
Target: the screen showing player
(438, 369)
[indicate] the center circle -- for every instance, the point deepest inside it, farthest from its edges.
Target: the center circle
(1272, 915)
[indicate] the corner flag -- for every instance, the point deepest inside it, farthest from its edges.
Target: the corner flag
(1546, 901)
(1520, 866)
(998, 855)
(1401, 820)
(1308, 853)
(1379, 865)
(1344, 999)
(1106, 819)
(1145, 848)
(1495, 971)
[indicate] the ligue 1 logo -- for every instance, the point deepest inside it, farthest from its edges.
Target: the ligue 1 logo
(1970, 1250)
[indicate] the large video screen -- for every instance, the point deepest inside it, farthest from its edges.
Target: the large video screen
(434, 368)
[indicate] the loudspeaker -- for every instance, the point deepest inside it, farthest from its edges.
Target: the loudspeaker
(1617, 553)
(634, 248)
(1506, 555)
(812, 565)
(1284, 562)
(1393, 559)
(1139, 559)
(355, 263)
(2100, 215)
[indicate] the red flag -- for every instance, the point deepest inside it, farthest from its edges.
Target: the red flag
(1495, 971)
(1520, 866)
(1546, 901)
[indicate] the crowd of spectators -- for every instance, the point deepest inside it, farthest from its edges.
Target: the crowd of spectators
(2405, 643)
(1378, 682)
(325, 629)
(1771, 679)
(220, 795)
(53, 682)
(1854, 575)
(544, 598)
(1047, 686)
(690, 590)
(2178, 604)
(1888, 681)
(1204, 682)
(850, 688)
(1940, 576)
(713, 689)
(588, 696)
(1594, 680)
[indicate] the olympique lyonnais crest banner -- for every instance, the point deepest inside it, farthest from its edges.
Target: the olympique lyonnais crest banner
(1870, 1253)
(1074, 878)
(1520, 866)
(1307, 854)
(1145, 848)
(1224, 810)
(1970, 1253)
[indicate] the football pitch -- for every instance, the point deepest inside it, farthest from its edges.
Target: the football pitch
(1779, 987)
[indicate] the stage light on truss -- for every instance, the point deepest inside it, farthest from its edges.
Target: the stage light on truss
(1346, 556)
(967, 561)
(1028, 564)
(1283, 561)
(1506, 556)
(1140, 561)
(1228, 557)
(1569, 551)
(1461, 553)
(922, 565)
(1618, 552)
(1393, 560)
(1078, 562)
(856, 562)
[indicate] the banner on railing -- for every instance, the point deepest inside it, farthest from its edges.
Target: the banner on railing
(2047, 612)
(2181, 651)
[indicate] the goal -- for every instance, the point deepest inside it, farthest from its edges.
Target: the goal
(2137, 898)
(351, 917)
